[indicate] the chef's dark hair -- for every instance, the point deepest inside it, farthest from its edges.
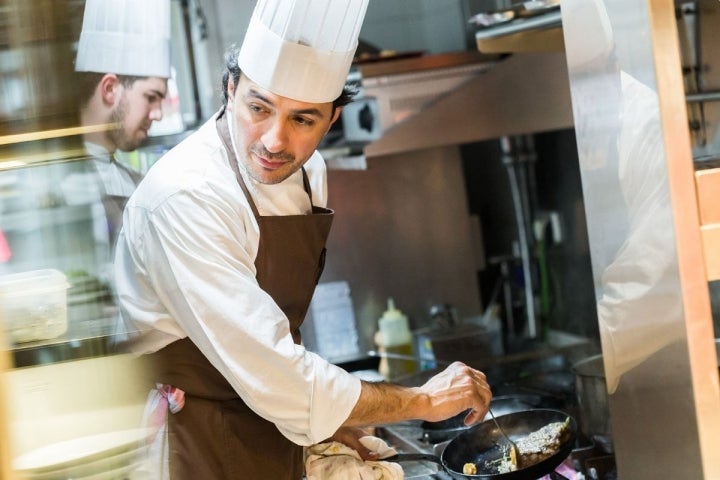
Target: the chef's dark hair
(232, 68)
(87, 81)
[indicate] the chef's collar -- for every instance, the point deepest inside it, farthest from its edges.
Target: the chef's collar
(98, 152)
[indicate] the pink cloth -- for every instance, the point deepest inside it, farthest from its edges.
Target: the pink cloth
(167, 398)
(5, 252)
(565, 469)
(155, 457)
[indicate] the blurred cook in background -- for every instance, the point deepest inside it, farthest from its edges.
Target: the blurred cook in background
(122, 65)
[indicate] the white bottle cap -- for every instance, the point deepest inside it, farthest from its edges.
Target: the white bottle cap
(302, 49)
(125, 37)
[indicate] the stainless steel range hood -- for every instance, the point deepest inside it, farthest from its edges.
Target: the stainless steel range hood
(404, 88)
(398, 92)
(393, 91)
(510, 95)
(517, 94)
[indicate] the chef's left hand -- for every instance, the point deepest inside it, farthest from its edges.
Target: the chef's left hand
(351, 436)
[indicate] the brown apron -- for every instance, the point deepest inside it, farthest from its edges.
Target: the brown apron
(115, 204)
(216, 436)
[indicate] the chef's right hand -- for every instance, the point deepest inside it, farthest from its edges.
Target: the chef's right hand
(455, 389)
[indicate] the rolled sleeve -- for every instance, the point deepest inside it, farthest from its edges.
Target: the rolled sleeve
(335, 393)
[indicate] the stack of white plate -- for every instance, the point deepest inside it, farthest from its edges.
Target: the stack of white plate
(107, 456)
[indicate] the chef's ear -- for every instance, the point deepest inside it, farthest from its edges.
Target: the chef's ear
(230, 88)
(230, 94)
(336, 115)
(110, 89)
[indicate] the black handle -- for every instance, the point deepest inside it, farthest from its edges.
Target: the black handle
(413, 457)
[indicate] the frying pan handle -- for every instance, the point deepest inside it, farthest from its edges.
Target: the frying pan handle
(413, 457)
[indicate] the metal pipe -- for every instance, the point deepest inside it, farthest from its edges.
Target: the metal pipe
(710, 159)
(520, 217)
(187, 23)
(507, 296)
(702, 97)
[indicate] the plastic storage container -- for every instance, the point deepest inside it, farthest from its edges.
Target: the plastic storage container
(33, 305)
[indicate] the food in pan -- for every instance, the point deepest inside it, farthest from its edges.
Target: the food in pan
(536, 447)
(469, 469)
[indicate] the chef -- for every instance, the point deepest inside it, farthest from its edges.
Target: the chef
(222, 245)
(122, 65)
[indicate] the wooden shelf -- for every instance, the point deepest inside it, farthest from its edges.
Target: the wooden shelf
(707, 182)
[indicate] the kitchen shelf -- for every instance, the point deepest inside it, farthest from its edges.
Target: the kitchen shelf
(547, 20)
(29, 220)
(84, 339)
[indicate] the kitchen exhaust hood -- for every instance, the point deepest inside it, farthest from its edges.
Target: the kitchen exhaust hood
(405, 87)
(457, 102)
(393, 91)
(397, 90)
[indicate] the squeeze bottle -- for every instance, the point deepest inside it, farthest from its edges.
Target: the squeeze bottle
(395, 338)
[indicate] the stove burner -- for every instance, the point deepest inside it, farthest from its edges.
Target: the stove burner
(594, 462)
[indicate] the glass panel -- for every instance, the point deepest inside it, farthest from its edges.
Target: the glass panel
(615, 50)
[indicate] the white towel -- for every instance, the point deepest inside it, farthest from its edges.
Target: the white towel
(336, 461)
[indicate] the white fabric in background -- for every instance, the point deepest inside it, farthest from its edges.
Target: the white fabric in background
(336, 461)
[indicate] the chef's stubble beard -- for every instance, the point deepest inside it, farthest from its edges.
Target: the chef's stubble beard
(243, 160)
(242, 151)
(117, 135)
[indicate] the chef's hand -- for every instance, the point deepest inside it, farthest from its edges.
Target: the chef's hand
(455, 389)
(351, 436)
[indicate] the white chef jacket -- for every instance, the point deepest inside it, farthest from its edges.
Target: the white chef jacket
(114, 179)
(185, 267)
(107, 179)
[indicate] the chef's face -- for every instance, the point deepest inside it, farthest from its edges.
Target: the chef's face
(275, 135)
(138, 105)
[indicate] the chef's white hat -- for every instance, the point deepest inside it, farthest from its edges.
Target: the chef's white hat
(302, 49)
(126, 37)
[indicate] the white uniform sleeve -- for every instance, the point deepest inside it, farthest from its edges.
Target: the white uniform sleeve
(189, 251)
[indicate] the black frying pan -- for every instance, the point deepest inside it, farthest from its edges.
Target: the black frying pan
(435, 432)
(484, 443)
